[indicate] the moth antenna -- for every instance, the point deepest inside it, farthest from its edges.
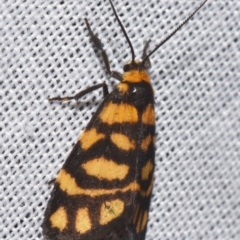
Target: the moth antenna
(171, 34)
(124, 31)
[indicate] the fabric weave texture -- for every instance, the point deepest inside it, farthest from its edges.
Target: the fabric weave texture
(45, 51)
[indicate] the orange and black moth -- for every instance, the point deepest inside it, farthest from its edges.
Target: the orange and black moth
(104, 188)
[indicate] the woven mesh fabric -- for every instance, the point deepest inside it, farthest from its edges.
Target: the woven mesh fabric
(45, 51)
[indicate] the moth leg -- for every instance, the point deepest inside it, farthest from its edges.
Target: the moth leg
(98, 44)
(82, 93)
(144, 55)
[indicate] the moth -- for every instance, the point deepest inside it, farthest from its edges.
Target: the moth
(104, 188)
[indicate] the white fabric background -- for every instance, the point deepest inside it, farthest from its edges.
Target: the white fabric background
(45, 51)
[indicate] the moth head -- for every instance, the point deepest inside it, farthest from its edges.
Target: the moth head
(136, 65)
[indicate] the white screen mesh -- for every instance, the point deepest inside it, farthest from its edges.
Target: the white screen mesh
(45, 51)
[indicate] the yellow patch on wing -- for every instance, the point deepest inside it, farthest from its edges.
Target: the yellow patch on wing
(119, 113)
(144, 220)
(111, 210)
(148, 116)
(102, 168)
(136, 76)
(139, 221)
(122, 141)
(123, 87)
(68, 184)
(146, 142)
(59, 219)
(134, 220)
(89, 137)
(83, 222)
(146, 170)
(148, 192)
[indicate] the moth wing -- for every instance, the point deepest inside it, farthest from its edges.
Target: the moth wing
(98, 190)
